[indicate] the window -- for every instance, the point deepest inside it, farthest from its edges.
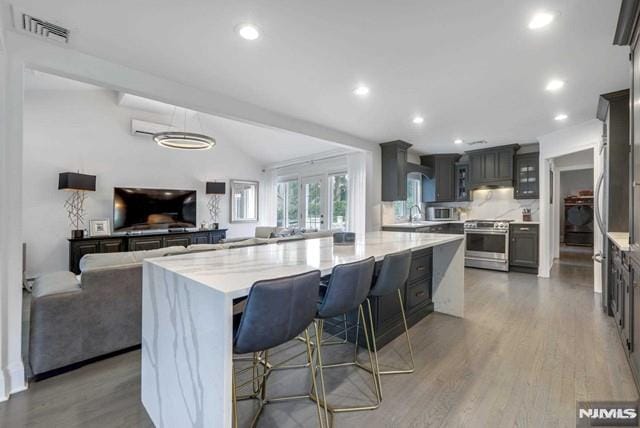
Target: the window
(287, 193)
(338, 193)
(414, 197)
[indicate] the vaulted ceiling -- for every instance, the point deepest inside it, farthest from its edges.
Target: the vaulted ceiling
(472, 69)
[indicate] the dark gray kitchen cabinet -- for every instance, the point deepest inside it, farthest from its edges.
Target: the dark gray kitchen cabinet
(387, 318)
(394, 170)
(527, 176)
(523, 247)
(443, 181)
(492, 167)
(462, 191)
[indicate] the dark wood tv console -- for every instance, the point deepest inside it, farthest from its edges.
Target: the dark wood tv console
(134, 242)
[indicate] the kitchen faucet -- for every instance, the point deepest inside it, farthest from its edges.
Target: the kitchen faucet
(411, 212)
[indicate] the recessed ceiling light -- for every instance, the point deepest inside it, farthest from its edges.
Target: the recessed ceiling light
(561, 116)
(457, 141)
(541, 20)
(555, 85)
(418, 120)
(248, 32)
(361, 90)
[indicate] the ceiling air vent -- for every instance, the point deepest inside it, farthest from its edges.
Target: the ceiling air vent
(40, 28)
(475, 143)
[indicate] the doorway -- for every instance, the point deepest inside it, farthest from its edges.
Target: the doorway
(574, 217)
(313, 202)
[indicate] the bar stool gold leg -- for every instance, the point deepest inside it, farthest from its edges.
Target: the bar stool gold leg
(366, 339)
(314, 387)
(376, 368)
(318, 330)
(406, 332)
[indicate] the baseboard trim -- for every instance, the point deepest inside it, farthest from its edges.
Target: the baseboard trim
(13, 380)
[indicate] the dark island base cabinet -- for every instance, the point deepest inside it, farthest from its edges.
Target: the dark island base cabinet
(387, 318)
(80, 247)
(523, 248)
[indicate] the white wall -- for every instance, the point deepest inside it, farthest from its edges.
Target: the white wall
(571, 182)
(573, 139)
(86, 130)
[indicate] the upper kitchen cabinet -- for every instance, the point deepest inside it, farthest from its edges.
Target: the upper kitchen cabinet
(463, 193)
(394, 170)
(492, 167)
(526, 176)
(442, 187)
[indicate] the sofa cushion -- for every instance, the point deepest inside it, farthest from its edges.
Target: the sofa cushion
(54, 283)
(264, 231)
(106, 260)
(205, 247)
(103, 260)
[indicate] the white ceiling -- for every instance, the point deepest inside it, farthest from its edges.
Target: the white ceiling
(266, 145)
(472, 68)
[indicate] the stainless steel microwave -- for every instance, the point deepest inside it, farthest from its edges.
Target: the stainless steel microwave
(442, 213)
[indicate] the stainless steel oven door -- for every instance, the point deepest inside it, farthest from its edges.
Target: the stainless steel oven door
(487, 244)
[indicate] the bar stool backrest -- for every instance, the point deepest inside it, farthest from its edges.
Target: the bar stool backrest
(277, 311)
(348, 288)
(393, 274)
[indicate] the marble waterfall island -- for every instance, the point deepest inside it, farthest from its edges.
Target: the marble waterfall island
(187, 312)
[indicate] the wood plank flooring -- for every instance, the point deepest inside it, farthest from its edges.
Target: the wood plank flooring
(527, 349)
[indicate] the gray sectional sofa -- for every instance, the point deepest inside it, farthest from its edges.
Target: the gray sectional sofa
(78, 318)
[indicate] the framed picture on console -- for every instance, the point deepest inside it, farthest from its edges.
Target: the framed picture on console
(99, 227)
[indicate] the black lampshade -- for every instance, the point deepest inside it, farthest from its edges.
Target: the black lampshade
(216, 188)
(76, 181)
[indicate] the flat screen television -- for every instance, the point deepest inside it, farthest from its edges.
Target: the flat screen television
(153, 209)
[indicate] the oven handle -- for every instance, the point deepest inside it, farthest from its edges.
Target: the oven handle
(487, 232)
(486, 260)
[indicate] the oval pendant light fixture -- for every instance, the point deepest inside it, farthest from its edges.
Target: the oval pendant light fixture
(183, 140)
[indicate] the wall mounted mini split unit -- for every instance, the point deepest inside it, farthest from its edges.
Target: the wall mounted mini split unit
(39, 27)
(143, 128)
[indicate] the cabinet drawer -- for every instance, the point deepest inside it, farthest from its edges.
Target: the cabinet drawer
(420, 267)
(532, 228)
(173, 241)
(145, 243)
(417, 293)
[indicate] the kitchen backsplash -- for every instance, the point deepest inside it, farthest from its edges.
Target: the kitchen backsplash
(485, 204)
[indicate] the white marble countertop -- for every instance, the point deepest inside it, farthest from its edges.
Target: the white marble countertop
(621, 239)
(422, 223)
(234, 271)
(524, 222)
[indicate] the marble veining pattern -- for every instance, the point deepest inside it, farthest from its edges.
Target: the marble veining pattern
(233, 271)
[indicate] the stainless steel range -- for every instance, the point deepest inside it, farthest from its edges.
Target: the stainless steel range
(487, 244)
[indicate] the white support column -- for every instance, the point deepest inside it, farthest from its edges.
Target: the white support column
(11, 366)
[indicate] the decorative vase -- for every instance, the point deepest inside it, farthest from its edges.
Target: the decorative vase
(214, 226)
(77, 234)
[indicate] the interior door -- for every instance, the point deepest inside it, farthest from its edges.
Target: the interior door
(314, 203)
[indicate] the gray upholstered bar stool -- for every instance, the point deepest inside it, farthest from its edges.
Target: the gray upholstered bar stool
(346, 291)
(394, 273)
(276, 311)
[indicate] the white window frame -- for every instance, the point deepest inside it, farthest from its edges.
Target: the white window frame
(403, 206)
(330, 201)
(288, 181)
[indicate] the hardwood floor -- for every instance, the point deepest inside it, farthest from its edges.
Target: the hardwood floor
(527, 349)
